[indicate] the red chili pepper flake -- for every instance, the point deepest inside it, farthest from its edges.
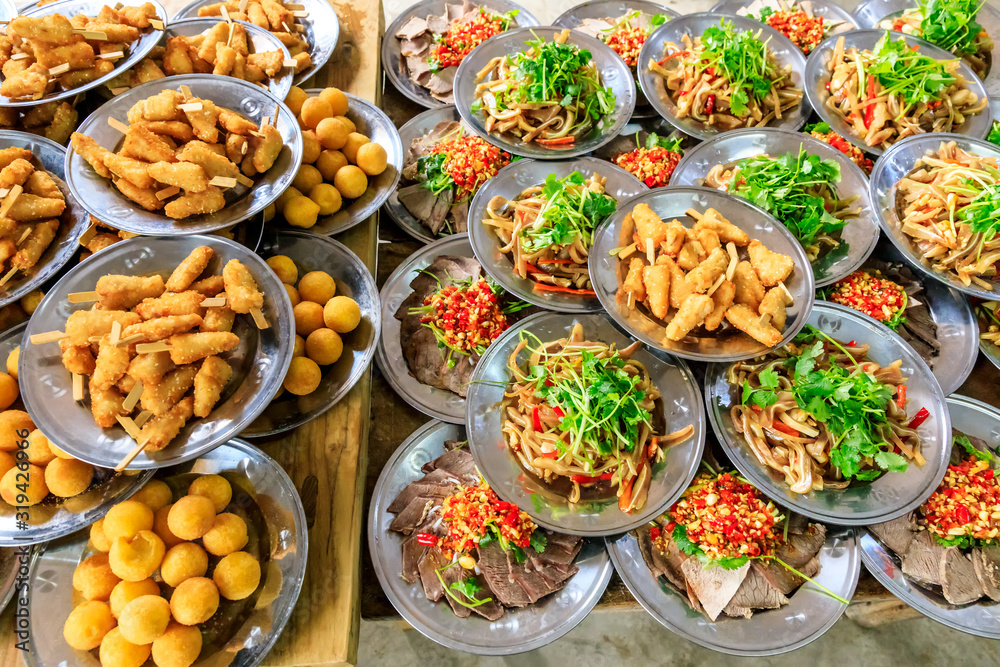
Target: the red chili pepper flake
(652, 166)
(470, 161)
(967, 502)
(805, 31)
(462, 38)
(847, 148)
(870, 294)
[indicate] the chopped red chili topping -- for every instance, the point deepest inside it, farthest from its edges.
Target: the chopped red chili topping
(464, 316)
(470, 162)
(474, 512)
(627, 42)
(871, 294)
(462, 38)
(847, 148)
(967, 502)
(805, 31)
(652, 166)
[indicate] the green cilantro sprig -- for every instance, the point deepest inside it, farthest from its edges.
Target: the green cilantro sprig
(951, 24)
(994, 136)
(741, 57)
(902, 70)
(571, 210)
(466, 588)
(654, 140)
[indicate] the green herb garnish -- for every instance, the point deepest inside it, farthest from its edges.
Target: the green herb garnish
(970, 449)
(571, 211)
(951, 24)
(822, 128)
(654, 140)
(904, 71)
(467, 588)
(741, 57)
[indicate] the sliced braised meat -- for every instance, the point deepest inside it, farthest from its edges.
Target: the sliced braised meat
(443, 81)
(432, 561)
(413, 553)
(459, 214)
(496, 571)
(415, 27)
(439, 214)
(457, 462)
(594, 27)
(896, 535)
(802, 547)
(714, 587)
(416, 47)
(519, 584)
(555, 558)
(419, 70)
(455, 574)
(797, 523)
(438, 24)
(987, 566)
(756, 592)
(492, 610)
(437, 484)
(412, 515)
(923, 559)
(418, 200)
(783, 579)
(958, 577)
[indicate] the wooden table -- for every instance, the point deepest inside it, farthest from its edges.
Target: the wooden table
(393, 420)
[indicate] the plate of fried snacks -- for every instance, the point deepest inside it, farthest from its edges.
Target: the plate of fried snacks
(309, 29)
(729, 573)
(845, 423)
(184, 155)
(181, 343)
(55, 51)
(589, 432)
(42, 488)
(53, 120)
(202, 566)
(41, 221)
(701, 274)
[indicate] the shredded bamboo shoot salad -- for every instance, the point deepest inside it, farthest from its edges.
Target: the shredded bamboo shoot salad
(950, 24)
(726, 79)
(551, 94)
(949, 206)
(893, 91)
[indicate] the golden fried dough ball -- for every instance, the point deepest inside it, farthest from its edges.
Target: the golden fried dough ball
(179, 646)
(284, 267)
(306, 178)
(371, 158)
(332, 134)
(116, 651)
(237, 575)
(355, 140)
(293, 294)
(8, 391)
(348, 122)
(324, 346)
(87, 625)
(311, 146)
(126, 519)
(318, 287)
(303, 376)
(329, 162)
(58, 452)
(94, 578)
(68, 477)
(182, 562)
(138, 558)
(337, 100)
(98, 539)
(313, 111)
(31, 300)
(227, 534)
(155, 495)
(308, 317)
(293, 100)
(12, 361)
(7, 460)
(269, 212)
(351, 181)
(327, 197)
(284, 197)
(298, 349)
(342, 314)
(195, 600)
(191, 517)
(31, 492)
(144, 619)
(13, 422)
(214, 487)
(126, 591)
(301, 212)
(38, 450)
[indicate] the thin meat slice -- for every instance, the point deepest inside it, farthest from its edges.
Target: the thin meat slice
(457, 462)
(958, 577)
(802, 547)
(436, 484)
(438, 24)
(923, 559)
(988, 570)
(415, 27)
(442, 82)
(412, 515)
(756, 592)
(714, 587)
(895, 535)
(419, 69)
(413, 553)
(418, 46)
(418, 200)
(783, 579)
(432, 561)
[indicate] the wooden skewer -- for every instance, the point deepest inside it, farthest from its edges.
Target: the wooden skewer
(119, 90)
(59, 69)
(294, 7)
(299, 14)
(83, 297)
(225, 14)
(95, 35)
(243, 179)
(158, 346)
(118, 125)
(214, 302)
(259, 319)
(21, 56)
(285, 26)
(143, 418)
(190, 106)
(243, 148)
(128, 424)
(266, 120)
(7, 277)
(243, 6)
(232, 29)
(48, 337)
(131, 455)
(114, 55)
(157, 24)
(223, 182)
(4, 192)
(88, 235)
(133, 397)
(289, 62)
(9, 200)
(128, 340)
(167, 192)
(24, 237)
(77, 387)
(116, 332)
(118, 6)
(186, 92)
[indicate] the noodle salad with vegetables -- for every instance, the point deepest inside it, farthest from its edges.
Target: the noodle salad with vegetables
(950, 24)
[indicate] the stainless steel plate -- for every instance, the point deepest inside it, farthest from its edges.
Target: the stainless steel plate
(138, 50)
(785, 54)
(520, 629)
(857, 239)
(393, 61)
(373, 123)
(615, 74)
(896, 163)
(56, 517)
(810, 613)
(104, 202)
(681, 406)
(889, 496)
(259, 40)
(319, 253)
(973, 418)
(415, 128)
(831, 13)
(74, 220)
(7, 10)
(10, 562)
(259, 363)
(284, 550)
(509, 183)
(322, 30)
(672, 202)
(432, 401)
(957, 329)
(817, 76)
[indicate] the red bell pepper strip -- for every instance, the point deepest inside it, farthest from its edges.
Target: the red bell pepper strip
(710, 104)
(625, 499)
(542, 287)
(427, 539)
(672, 55)
(560, 141)
(536, 422)
(920, 418)
(532, 268)
(550, 455)
(901, 396)
(559, 412)
(870, 109)
(779, 425)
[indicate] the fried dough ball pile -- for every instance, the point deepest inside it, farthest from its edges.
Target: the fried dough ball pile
(19, 311)
(336, 159)
(46, 468)
(171, 155)
(184, 379)
(32, 221)
(321, 317)
(197, 548)
(53, 120)
(43, 54)
(693, 277)
(272, 16)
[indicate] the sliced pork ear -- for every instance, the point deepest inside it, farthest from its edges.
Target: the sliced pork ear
(896, 534)
(415, 27)
(756, 592)
(714, 587)
(923, 558)
(958, 577)
(987, 568)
